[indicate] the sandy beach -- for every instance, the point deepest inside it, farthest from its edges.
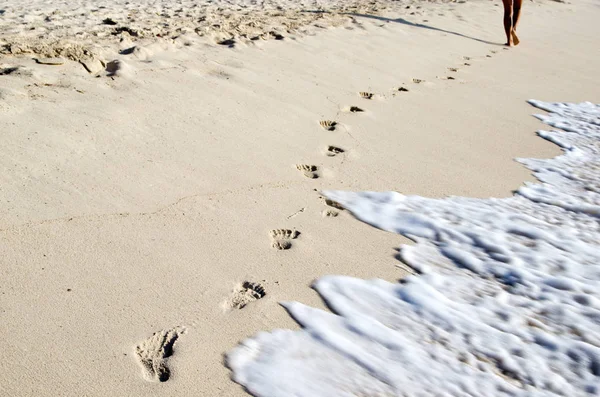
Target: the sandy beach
(164, 162)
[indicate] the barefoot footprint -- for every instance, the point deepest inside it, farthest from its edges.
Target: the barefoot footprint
(244, 294)
(328, 125)
(334, 204)
(330, 213)
(355, 109)
(309, 171)
(334, 150)
(281, 239)
(153, 352)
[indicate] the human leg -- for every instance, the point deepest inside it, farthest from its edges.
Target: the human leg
(508, 17)
(515, 20)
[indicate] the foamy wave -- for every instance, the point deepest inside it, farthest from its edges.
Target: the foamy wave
(506, 301)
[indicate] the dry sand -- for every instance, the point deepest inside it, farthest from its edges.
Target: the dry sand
(142, 199)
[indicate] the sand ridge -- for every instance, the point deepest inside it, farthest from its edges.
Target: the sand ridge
(81, 30)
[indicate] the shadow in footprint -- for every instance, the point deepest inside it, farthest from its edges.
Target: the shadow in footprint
(108, 21)
(309, 171)
(355, 109)
(227, 43)
(7, 71)
(334, 204)
(246, 293)
(127, 51)
(334, 150)
(113, 67)
(154, 351)
(281, 239)
(329, 213)
(328, 125)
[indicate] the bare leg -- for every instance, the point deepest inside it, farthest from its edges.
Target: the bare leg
(515, 20)
(508, 20)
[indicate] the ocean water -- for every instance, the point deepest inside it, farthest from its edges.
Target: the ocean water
(505, 299)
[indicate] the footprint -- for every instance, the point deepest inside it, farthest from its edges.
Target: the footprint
(365, 95)
(493, 51)
(330, 213)
(334, 204)
(154, 351)
(113, 67)
(227, 43)
(418, 81)
(244, 294)
(355, 109)
(467, 64)
(328, 124)
(282, 245)
(125, 29)
(275, 35)
(488, 56)
(309, 171)
(109, 21)
(453, 69)
(282, 238)
(334, 150)
(284, 234)
(446, 78)
(402, 89)
(9, 70)
(467, 58)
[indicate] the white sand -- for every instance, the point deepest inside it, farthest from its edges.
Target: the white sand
(135, 203)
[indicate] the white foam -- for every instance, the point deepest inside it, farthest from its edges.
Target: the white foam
(507, 302)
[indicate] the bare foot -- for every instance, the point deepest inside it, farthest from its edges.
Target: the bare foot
(515, 39)
(508, 44)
